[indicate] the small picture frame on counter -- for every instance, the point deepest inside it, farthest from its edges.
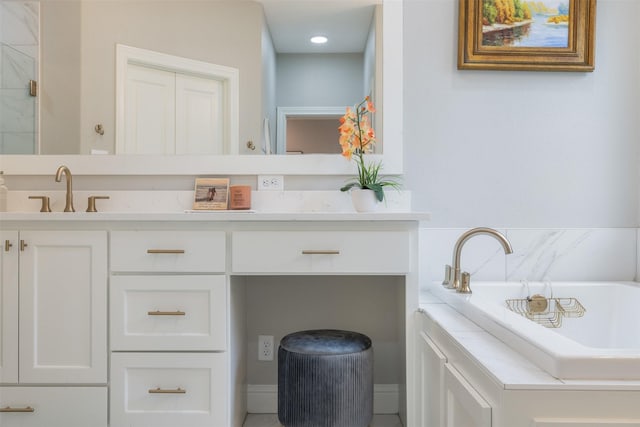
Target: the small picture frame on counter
(211, 194)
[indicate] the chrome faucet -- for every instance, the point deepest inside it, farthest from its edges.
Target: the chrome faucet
(460, 281)
(67, 173)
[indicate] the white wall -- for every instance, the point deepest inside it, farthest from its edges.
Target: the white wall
(522, 149)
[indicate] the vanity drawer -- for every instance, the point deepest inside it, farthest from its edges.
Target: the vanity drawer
(161, 389)
(168, 251)
(170, 313)
(53, 406)
(351, 252)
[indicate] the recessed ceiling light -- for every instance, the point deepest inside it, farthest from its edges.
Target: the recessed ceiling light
(319, 39)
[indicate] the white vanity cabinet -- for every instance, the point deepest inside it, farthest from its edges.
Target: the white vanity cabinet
(446, 397)
(465, 407)
(168, 311)
(53, 308)
(430, 370)
(9, 308)
(179, 290)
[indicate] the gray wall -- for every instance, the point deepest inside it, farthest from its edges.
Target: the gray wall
(281, 305)
(222, 32)
(312, 80)
(60, 87)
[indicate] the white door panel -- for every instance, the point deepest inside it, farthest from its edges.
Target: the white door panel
(199, 115)
(9, 307)
(63, 307)
(149, 111)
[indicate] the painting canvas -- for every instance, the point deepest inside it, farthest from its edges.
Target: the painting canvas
(525, 23)
(527, 35)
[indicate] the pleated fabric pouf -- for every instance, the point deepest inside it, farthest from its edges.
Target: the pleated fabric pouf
(325, 379)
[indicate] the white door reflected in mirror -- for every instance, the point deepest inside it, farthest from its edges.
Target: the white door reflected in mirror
(168, 105)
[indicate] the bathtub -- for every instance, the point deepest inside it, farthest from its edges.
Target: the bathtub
(603, 344)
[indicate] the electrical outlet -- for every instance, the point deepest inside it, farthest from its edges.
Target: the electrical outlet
(271, 182)
(265, 347)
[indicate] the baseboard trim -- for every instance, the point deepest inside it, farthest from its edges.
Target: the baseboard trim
(263, 399)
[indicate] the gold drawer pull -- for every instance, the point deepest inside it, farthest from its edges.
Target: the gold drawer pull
(321, 252)
(166, 391)
(7, 245)
(10, 409)
(166, 313)
(165, 251)
(23, 245)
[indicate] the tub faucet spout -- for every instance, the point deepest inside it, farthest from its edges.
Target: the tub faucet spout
(463, 286)
(67, 173)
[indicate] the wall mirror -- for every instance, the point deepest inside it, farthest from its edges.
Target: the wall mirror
(87, 92)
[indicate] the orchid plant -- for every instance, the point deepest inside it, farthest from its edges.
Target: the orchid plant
(357, 138)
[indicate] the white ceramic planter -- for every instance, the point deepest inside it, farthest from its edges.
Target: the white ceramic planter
(364, 200)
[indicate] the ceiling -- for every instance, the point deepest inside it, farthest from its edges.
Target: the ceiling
(292, 22)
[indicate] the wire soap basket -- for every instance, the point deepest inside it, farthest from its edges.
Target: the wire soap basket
(548, 312)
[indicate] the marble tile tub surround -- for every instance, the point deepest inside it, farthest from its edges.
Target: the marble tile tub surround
(539, 254)
(180, 201)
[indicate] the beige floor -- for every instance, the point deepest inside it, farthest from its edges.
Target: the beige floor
(271, 420)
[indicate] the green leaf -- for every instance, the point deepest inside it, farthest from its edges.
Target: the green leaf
(349, 186)
(378, 190)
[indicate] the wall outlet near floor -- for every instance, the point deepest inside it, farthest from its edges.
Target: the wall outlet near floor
(271, 182)
(265, 347)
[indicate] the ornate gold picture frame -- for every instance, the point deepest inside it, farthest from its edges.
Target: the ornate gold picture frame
(536, 35)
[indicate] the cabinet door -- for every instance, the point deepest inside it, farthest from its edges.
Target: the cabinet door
(431, 371)
(465, 406)
(9, 307)
(63, 307)
(169, 389)
(53, 406)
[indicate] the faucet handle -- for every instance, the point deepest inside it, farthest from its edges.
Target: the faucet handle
(465, 281)
(91, 203)
(45, 207)
(447, 276)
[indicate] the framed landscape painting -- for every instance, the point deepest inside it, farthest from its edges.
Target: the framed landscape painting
(537, 35)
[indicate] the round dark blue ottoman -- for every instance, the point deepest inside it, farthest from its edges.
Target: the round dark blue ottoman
(325, 379)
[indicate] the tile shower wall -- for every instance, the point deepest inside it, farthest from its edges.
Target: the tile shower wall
(19, 46)
(539, 254)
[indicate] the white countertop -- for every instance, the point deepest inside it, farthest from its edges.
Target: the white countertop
(213, 216)
(160, 205)
(505, 365)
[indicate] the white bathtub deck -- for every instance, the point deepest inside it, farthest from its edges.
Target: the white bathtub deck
(507, 367)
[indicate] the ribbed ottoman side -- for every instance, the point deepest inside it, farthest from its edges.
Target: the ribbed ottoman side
(325, 390)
